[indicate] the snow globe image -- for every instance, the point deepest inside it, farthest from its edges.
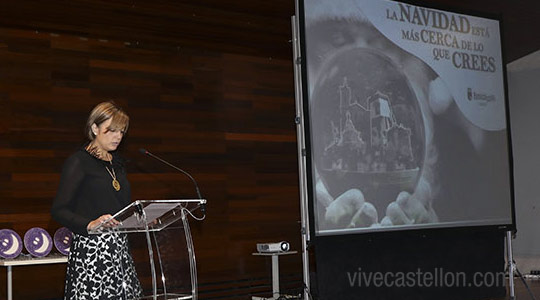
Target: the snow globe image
(367, 127)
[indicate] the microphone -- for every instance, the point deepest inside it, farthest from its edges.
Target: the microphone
(146, 152)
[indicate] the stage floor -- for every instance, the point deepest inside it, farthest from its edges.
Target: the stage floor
(521, 291)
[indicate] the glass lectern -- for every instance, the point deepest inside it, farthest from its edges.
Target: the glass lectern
(163, 226)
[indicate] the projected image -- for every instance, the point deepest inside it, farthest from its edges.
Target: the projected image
(372, 132)
(392, 146)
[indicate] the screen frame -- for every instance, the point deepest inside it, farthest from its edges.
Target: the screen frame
(307, 132)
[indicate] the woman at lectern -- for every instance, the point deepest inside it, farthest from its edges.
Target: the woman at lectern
(93, 185)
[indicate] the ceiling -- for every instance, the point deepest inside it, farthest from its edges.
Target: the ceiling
(253, 27)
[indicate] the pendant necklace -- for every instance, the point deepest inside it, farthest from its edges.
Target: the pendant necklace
(115, 183)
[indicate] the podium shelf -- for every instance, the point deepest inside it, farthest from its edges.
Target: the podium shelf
(169, 297)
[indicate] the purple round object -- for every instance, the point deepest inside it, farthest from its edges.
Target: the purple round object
(62, 240)
(38, 242)
(10, 244)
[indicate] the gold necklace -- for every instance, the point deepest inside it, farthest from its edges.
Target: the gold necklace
(94, 151)
(115, 183)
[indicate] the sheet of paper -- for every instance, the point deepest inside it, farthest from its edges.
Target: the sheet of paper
(153, 211)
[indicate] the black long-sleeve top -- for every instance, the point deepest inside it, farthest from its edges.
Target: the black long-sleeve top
(85, 191)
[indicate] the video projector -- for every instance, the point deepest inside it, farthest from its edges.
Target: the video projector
(273, 247)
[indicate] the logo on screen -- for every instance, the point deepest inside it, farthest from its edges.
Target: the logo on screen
(482, 99)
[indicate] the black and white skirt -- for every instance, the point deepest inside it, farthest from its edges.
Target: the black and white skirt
(101, 267)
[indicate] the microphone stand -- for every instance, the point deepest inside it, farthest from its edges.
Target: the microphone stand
(202, 206)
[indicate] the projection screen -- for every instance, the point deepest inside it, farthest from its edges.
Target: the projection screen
(406, 118)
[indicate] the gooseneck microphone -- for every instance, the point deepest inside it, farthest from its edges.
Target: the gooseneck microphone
(146, 152)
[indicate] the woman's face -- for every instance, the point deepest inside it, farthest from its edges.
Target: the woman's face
(107, 139)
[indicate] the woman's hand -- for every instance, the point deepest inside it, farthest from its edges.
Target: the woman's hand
(106, 220)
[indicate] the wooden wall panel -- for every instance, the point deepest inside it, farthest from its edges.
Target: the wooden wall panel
(258, 28)
(226, 118)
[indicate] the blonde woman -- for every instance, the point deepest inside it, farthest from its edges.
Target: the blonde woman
(93, 185)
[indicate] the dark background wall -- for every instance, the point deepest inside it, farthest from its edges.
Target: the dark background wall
(208, 85)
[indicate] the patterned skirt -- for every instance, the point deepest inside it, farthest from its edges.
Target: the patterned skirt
(101, 267)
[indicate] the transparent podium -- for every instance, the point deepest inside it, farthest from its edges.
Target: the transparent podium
(161, 245)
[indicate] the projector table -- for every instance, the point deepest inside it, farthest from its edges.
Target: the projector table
(275, 272)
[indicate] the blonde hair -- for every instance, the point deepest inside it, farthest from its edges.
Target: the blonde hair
(103, 112)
